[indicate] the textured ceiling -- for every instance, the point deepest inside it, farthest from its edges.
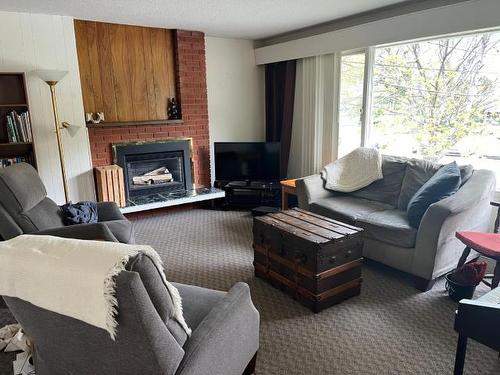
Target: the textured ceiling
(250, 19)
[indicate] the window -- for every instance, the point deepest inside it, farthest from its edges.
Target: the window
(438, 100)
(352, 75)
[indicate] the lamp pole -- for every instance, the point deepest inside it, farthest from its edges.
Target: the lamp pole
(52, 85)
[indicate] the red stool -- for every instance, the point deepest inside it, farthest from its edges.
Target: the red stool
(488, 245)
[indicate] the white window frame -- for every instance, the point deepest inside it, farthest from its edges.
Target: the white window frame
(366, 115)
(366, 107)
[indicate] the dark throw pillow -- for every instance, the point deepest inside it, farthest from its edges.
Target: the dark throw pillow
(442, 184)
(79, 213)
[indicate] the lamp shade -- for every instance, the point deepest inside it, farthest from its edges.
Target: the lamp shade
(50, 75)
(72, 129)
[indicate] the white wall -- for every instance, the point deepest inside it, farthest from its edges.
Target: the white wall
(34, 41)
(236, 108)
(455, 18)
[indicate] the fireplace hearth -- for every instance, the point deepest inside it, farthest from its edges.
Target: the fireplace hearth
(159, 174)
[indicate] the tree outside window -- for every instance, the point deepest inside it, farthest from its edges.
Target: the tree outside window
(439, 100)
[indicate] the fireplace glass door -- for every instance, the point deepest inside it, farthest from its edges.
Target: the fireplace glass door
(153, 173)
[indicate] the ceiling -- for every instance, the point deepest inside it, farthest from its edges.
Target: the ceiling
(249, 19)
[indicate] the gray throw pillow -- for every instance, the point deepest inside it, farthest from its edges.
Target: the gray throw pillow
(444, 183)
(418, 172)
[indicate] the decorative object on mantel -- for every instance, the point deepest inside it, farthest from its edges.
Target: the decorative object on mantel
(90, 118)
(51, 78)
(110, 184)
(173, 109)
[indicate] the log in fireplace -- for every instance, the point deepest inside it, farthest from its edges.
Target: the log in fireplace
(149, 168)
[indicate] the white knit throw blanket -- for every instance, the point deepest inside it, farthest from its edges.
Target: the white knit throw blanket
(71, 277)
(353, 171)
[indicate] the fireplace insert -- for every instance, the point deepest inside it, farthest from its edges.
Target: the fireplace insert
(155, 167)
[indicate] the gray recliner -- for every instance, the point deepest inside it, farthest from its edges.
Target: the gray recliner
(26, 209)
(224, 339)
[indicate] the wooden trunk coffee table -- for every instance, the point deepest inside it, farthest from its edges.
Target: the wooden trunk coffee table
(315, 259)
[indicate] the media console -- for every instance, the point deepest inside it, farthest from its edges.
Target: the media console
(250, 194)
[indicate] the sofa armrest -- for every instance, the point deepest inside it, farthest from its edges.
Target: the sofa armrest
(437, 249)
(97, 231)
(226, 339)
(310, 189)
(478, 187)
(109, 211)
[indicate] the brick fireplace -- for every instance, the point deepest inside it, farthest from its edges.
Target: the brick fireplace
(192, 96)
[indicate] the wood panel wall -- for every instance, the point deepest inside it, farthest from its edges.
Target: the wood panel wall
(127, 72)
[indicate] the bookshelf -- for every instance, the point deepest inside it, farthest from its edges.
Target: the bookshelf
(15, 143)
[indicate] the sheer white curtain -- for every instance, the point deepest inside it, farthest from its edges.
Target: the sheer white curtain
(314, 130)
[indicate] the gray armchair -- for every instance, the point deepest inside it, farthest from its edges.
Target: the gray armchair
(224, 339)
(26, 209)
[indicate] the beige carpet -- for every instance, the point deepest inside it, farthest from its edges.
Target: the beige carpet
(390, 329)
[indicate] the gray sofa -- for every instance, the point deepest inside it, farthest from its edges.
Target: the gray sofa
(26, 209)
(224, 339)
(380, 209)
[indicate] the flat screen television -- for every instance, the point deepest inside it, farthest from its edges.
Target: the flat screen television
(254, 161)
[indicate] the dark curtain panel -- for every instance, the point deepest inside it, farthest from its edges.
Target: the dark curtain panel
(280, 93)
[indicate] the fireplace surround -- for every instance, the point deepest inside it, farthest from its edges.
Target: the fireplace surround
(161, 167)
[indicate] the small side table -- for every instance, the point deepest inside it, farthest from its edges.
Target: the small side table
(497, 221)
(287, 187)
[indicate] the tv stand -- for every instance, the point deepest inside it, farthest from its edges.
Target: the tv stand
(250, 194)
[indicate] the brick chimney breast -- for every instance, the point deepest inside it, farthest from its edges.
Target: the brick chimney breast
(192, 97)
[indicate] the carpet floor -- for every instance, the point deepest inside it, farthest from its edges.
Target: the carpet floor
(390, 328)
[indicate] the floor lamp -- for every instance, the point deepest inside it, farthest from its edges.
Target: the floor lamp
(51, 78)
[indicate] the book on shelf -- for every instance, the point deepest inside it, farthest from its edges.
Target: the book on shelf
(19, 127)
(5, 162)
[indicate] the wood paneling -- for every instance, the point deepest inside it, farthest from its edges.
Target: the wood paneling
(127, 72)
(149, 71)
(107, 78)
(138, 74)
(121, 73)
(85, 64)
(170, 46)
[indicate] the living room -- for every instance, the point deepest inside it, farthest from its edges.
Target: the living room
(191, 187)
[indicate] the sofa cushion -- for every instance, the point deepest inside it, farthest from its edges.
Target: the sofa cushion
(417, 173)
(390, 226)
(346, 208)
(387, 189)
(444, 183)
